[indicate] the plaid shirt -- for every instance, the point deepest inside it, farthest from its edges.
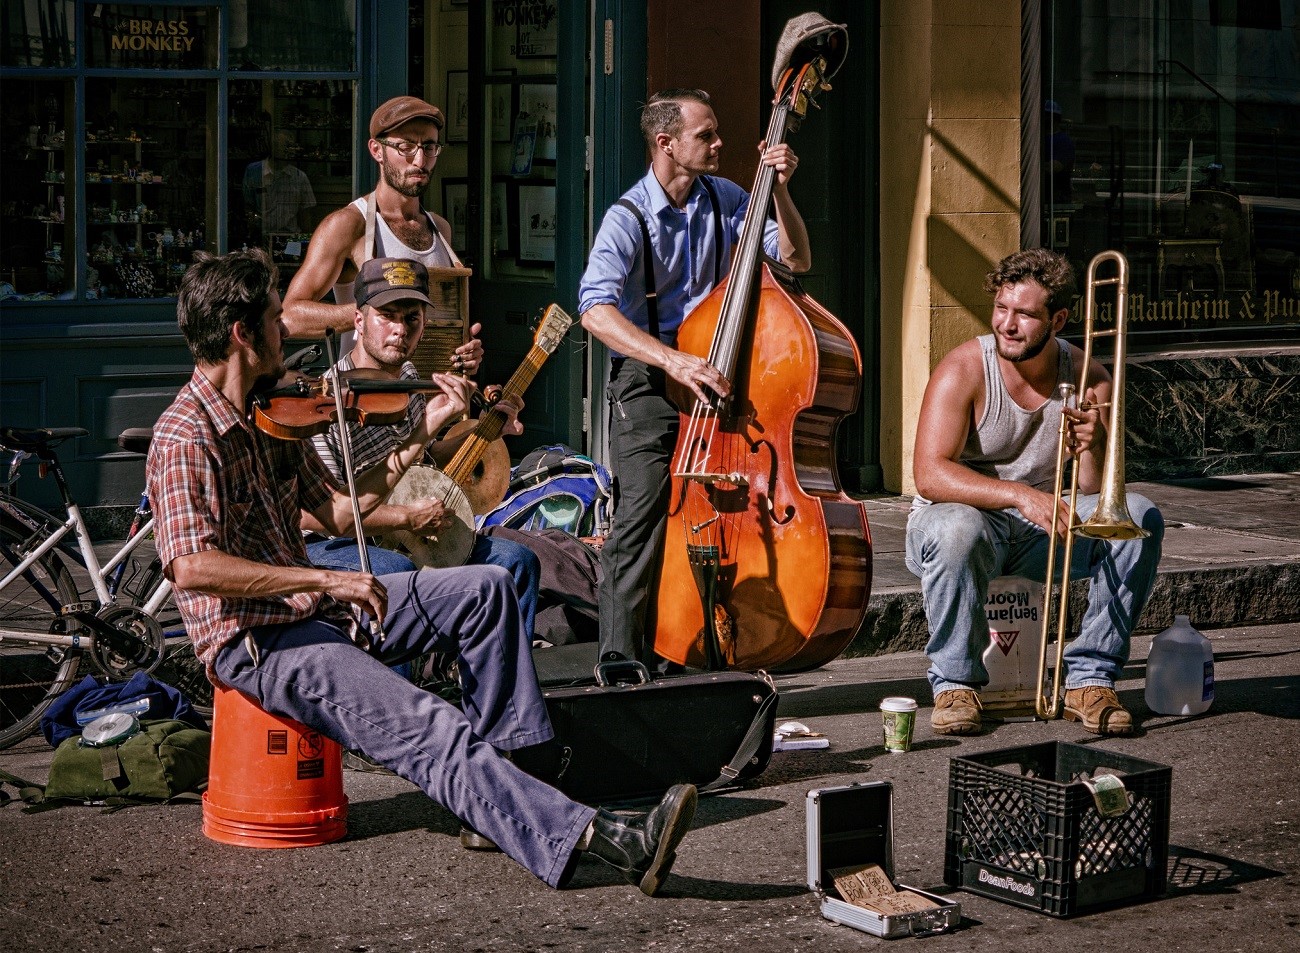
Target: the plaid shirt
(372, 444)
(216, 483)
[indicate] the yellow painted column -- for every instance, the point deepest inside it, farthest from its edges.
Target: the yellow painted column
(949, 192)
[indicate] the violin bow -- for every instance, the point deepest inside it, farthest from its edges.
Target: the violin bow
(345, 441)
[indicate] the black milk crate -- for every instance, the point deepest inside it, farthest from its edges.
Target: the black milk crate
(1023, 828)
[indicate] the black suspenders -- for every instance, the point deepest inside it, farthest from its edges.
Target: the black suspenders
(651, 286)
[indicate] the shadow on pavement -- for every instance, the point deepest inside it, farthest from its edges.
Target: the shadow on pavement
(1193, 871)
(407, 811)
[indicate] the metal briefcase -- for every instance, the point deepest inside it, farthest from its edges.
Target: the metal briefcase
(852, 825)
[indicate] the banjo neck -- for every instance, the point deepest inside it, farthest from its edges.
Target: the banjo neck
(555, 324)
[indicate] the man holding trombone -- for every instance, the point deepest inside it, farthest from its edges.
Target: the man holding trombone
(990, 447)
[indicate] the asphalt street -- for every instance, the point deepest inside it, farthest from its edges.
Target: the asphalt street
(146, 879)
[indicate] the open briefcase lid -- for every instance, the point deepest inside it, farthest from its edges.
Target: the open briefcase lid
(848, 826)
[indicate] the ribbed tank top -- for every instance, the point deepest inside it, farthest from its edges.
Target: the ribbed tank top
(1009, 442)
(388, 245)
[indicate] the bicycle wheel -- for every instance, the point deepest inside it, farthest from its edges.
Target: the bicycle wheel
(31, 676)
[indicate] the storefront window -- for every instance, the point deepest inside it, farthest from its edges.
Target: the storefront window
(290, 162)
(272, 35)
(37, 192)
(112, 149)
(148, 159)
(38, 34)
(1173, 135)
(522, 132)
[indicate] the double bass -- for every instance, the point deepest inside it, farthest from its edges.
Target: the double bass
(766, 562)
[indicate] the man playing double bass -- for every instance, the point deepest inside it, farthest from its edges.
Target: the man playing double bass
(660, 250)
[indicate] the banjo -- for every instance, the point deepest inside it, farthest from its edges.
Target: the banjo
(469, 485)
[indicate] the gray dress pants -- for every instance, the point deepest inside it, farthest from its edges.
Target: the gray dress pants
(311, 672)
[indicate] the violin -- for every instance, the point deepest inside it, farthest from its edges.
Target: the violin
(306, 406)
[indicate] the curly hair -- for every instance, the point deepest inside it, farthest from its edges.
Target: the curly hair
(663, 112)
(1050, 270)
(220, 291)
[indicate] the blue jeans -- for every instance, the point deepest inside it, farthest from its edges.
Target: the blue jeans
(517, 559)
(309, 671)
(956, 549)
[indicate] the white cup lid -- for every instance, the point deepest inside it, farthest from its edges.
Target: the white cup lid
(898, 704)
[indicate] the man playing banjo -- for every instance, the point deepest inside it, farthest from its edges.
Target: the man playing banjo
(392, 294)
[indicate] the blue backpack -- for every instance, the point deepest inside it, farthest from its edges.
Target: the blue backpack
(555, 487)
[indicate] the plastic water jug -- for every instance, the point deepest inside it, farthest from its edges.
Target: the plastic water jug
(1180, 671)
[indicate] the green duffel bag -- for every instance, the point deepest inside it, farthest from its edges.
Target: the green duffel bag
(164, 761)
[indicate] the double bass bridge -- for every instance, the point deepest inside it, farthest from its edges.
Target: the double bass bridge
(724, 481)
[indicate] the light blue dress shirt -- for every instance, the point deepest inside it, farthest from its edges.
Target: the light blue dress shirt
(683, 242)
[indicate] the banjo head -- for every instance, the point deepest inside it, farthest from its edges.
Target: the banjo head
(452, 545)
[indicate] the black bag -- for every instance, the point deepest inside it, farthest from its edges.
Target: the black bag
(568, 588)
(633, 740)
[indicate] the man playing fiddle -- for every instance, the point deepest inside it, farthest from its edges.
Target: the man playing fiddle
(289, 635)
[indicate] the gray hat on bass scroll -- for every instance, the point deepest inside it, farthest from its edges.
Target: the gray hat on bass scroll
(806, 36)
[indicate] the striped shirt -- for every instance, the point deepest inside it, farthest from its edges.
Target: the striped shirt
(217, 483)
(370, 444)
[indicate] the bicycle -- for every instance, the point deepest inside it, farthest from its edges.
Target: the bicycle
(46, 628)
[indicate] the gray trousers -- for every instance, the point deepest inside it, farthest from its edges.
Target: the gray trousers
(642, 437)
(311, 672)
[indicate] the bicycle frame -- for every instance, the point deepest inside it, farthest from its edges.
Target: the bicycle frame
(40, 521)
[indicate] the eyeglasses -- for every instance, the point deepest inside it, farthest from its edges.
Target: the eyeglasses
(407, 149)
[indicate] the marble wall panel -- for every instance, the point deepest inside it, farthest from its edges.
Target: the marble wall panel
(1212, 414)
(1251, 416)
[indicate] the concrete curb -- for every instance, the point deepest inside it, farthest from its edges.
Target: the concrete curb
(1217, 597)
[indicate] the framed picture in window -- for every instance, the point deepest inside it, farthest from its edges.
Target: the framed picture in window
(458, 106)
(521, 153)
(537, 103)
(536, 226)
(501, 110)
(455, 199)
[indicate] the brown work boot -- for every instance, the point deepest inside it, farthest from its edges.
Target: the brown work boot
(956, 712)
(1097, 708)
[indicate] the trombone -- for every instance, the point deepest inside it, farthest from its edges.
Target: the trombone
(1111, 519)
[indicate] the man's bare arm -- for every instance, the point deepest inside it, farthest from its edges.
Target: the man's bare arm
(218, 573)
(305, 314)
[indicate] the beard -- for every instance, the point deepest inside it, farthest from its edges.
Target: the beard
(395, 179)
(387, 357)
(1031, 349)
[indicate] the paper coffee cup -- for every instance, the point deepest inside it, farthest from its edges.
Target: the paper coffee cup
(899, 717)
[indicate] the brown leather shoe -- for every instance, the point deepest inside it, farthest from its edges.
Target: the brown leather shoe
(956, 712)
(1097, 708)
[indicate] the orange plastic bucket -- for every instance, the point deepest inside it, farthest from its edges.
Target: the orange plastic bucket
(272, 782)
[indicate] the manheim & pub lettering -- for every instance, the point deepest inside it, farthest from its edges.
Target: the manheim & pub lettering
(1247, 307)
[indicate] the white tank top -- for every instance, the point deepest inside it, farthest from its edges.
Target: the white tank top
(388, 245)
(1009, 442)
